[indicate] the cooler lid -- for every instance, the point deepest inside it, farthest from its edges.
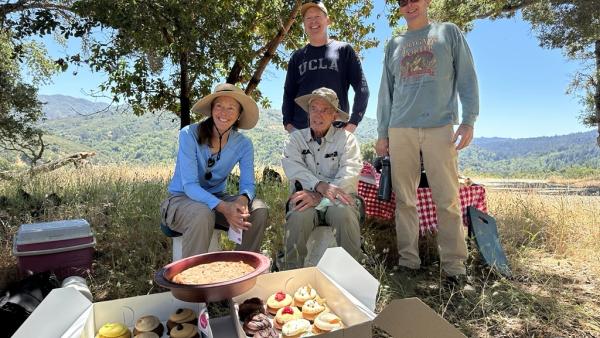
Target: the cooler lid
(53, 231)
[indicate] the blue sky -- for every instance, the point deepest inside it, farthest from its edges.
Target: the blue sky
(522, 86)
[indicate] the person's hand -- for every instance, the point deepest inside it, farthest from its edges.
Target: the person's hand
(382, 147)
(289, 128)
(303, 199)
(333, 193)
(236, 213)
(465, 132)
(242, 203)
(351, 127)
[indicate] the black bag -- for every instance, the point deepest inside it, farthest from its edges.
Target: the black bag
(21, 298)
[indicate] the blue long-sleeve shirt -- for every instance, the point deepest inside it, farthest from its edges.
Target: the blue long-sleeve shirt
(335, 66)
(424, 71)
(192, 164)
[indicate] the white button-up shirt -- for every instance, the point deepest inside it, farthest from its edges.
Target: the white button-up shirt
(336, 160)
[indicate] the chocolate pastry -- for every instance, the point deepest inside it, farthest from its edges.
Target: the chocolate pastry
(267, 333)
(256, 323)
(250, 307)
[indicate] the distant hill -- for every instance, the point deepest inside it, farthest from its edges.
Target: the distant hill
(564, 154)
(74, 124)
(61, 106)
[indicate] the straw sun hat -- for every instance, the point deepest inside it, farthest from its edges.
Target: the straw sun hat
(249, 115)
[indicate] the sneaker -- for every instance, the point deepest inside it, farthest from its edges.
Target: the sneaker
(458, 283)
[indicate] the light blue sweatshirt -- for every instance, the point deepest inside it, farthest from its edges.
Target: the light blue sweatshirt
(423, 72)
(192, 162)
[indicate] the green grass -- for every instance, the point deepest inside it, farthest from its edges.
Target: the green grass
(553, 245)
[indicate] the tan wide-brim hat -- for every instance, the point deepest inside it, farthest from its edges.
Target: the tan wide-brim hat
(249, 115)
(326, 94)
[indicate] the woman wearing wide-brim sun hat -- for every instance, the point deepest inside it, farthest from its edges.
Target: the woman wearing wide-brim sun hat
(208, 151)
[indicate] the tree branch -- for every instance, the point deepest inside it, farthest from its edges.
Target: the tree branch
(273, 44)
(509, 8)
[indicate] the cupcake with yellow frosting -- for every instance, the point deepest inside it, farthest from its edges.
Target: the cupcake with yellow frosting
(285, 314)
(113, 330)
(278, 301)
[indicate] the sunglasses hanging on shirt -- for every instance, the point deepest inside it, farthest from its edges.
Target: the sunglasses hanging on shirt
(334, 154)
(209, 164)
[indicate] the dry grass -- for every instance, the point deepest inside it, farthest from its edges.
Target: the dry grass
(553, 244)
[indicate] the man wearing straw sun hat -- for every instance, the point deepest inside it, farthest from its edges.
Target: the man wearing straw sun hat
(322, 163)
(208, 151)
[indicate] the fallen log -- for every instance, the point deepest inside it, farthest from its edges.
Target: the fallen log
(78, 159)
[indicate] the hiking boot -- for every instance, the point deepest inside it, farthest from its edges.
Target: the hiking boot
(458, 283)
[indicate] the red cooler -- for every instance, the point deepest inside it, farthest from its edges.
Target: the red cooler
(64, 247)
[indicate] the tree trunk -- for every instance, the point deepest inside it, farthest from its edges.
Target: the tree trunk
(184, 91)
(597, 96)
(235, 73)
(273, 44)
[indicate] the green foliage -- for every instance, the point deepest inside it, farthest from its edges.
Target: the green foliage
(19, 108)
(163, 55)
(367, 150)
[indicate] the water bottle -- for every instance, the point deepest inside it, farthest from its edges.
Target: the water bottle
(385, 181)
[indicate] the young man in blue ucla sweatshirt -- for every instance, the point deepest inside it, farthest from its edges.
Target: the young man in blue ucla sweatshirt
(426, 69)
(322, 63)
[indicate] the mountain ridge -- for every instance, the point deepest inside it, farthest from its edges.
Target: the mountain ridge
(124, 137)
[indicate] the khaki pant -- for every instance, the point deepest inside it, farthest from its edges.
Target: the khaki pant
(300, 225)
(440, 161)
(196, 221)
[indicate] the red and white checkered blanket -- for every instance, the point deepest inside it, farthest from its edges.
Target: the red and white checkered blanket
(368, 184)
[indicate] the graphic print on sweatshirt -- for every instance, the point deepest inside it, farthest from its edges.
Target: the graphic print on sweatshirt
(418, 63)
(320, 64)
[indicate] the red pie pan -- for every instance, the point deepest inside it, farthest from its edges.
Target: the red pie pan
(213, 292)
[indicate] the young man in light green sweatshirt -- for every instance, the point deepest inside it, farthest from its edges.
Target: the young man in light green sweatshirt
(425, 70)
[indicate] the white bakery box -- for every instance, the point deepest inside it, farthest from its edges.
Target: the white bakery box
(351, 293)
(66, 313)
(349, 289)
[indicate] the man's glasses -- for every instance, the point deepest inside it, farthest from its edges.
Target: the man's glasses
(403, 3)
(211, 163)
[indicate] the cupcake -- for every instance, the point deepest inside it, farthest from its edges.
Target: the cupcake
(278, 301)
(250, 307)
(113, 330)
(285, 314)
(147, 335)
(295, 328)
(184, 330)
(148, 324)
(182, 316)
(303, 294)
(326, 322)
(257, 322)
(312, 308)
